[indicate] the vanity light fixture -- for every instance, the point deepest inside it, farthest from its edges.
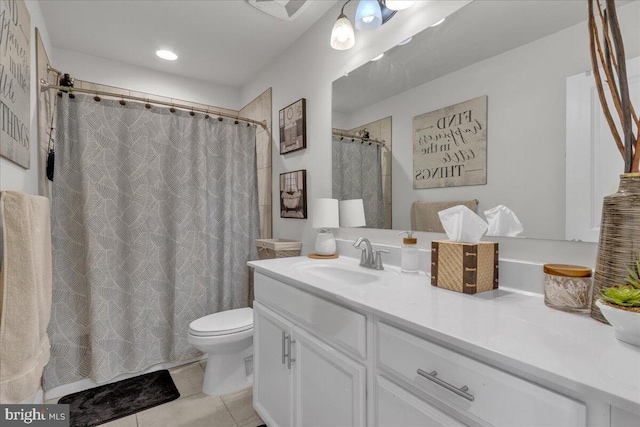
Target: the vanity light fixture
(378, 57)
(166, 54)
(368, 15)
(398, 4)
(342, 35)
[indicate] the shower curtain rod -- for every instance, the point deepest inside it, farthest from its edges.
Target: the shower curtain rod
(46, 86)
(349, 136)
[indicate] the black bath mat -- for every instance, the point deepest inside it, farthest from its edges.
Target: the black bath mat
(117, 400)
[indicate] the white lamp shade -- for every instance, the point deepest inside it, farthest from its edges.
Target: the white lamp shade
(368, 15)
(342, 35)
(352, 213)
(398, 4)
(325, 213)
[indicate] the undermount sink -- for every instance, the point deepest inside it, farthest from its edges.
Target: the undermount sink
(345, 274)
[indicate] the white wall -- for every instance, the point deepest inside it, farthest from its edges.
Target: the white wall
(306, 70)
(526, 90)
(119, 74)
(12, 176)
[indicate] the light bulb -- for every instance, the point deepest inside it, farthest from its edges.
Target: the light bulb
(342, 35)
(368, 15)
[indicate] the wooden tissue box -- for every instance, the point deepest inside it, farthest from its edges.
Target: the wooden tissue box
(464, 267)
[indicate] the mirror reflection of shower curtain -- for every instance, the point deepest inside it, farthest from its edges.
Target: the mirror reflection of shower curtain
(154, 218)
(357, 174)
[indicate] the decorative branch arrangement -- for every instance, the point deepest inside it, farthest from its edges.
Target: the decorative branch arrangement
(607, 55)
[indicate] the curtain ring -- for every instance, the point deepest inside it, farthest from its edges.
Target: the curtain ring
(147, 105)
(206, 116)
(192, 113)
(173, 110)
(220, 118)
(122, 101)
(236, 122)
(96, 98)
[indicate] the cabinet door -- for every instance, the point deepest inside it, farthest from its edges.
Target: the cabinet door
(329, 387)
(397, 407)
(273, 381)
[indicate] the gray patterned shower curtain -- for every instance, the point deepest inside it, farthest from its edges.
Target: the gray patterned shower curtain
(357, 174)
(154, 216)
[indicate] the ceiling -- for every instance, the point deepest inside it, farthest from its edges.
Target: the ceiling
(479, 30)
(225, 42)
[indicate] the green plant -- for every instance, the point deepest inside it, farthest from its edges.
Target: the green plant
(623, 295)
(634, 275)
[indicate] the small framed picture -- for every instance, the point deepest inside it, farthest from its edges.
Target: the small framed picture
(293, 194)
(293, 127)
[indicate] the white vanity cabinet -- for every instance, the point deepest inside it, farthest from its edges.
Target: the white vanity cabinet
(299, 379)
(323, 357)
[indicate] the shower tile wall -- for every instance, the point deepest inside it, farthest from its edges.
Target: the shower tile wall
(381, 130)
(260, 109)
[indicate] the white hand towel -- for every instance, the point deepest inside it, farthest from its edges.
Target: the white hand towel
(25, 294)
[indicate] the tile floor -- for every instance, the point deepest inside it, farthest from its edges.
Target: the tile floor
(194, 408)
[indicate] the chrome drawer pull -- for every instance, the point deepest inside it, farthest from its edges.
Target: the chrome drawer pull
(291, 360)
(433, 376)
(284, 347)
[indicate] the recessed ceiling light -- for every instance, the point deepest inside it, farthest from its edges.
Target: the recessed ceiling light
(405, 41)
(438, 23)
(167, 54)
(378, 57)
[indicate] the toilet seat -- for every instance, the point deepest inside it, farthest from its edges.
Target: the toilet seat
(223, 323)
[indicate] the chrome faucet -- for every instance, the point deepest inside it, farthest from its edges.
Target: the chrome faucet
(369, 258)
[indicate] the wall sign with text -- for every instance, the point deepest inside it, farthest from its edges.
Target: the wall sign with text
(15, 81)
(450, 146)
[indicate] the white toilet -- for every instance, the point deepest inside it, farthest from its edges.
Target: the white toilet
(227, 339)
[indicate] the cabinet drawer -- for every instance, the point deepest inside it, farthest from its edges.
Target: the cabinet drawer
(396, 407)
(335, 324)
(485, 393)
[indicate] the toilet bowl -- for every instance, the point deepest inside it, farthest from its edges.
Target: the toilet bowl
(227, 339)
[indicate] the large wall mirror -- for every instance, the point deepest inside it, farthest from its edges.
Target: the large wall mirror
(549, 156)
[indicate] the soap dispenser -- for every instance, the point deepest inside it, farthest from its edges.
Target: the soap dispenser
(409, 253)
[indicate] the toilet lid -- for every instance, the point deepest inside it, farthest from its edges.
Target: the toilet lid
(223, 323)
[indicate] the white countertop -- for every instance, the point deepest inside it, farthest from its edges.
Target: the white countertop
(505, 328)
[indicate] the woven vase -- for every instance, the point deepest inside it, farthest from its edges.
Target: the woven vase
(619, 238)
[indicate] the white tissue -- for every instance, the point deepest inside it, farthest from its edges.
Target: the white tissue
(462, 224)
(503, 222)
